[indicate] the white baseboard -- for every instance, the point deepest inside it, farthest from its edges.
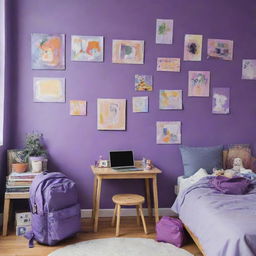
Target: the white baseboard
(87, 213)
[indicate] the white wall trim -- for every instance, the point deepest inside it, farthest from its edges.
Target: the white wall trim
(87, 213)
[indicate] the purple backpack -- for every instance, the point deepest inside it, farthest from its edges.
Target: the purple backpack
(55, 209)
(170, 230)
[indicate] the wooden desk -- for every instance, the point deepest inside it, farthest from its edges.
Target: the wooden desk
(7, 200)
(108, 173)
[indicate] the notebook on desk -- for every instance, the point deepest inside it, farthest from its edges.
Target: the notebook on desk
(123, 161)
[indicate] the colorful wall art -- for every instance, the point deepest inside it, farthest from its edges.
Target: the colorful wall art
(48, 51)
(168, 64)
(170, 99)
(77, 107)
(198, 83)
(164, 31)
(220, 100)
(168, 132)
(249, 69)
(128, 51)
(49, 89)
(220, 49)
(140, 104)
(87, 48)
(111, 114)
(143, 83)
(193, 47)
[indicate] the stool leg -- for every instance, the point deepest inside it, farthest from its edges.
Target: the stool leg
(6, 215)
(114, 216)
(118, 219)
(138, 215)
(143, 219)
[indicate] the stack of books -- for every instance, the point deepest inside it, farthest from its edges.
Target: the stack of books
(19, 182)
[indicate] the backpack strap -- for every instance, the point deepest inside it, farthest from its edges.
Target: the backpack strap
(31, 237)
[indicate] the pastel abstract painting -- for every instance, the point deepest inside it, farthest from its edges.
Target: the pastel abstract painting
(220, 100)
(170, 99)
(220, 49)
(164, 31)
(128, 51)
(249, 69)
(48, 51)
(49, 89)
(168, 64)
(198, 83)
(168, 132)
(140, 104)
(111, 114)
(143, 83)
(87, 48)
(193, 47)
(77, 107)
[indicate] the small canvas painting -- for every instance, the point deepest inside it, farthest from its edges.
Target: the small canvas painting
(193, 47)
(87, 48)
(198, 83)
(168, 64)
(128, 52)
(220, 100)
(111, 114)
(143, 83)
(249, 69)
(168, 132)
(48, 51)
(220, 49)
(140, 104)
(49, 89)
(77, 107)
(164, 31)
(170, 99)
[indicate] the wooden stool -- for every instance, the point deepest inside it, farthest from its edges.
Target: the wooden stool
(128, 199)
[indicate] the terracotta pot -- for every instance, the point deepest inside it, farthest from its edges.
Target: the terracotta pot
(19, 167)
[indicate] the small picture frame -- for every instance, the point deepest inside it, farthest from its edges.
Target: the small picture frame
(103, 163)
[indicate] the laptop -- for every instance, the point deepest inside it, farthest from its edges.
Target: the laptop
(123, 161)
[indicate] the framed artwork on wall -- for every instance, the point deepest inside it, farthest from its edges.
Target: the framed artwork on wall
(111, 114)
(198, 83)
(48, 51)
(220, 49)
(143, 83)
(220, 100)
(170, 99)
(168, 64)
(49, 89)
(77, 107)
(87, 48)
(168, 132)
(128, 52)
(249, 69)
(193, 47)
(140, 104)
(164, 31)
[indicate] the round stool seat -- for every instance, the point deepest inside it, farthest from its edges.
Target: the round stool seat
(128, 199)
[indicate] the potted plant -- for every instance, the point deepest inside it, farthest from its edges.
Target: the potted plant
(35, 152)
(20, 164)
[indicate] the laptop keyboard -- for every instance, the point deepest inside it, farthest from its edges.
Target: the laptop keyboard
(128, 169)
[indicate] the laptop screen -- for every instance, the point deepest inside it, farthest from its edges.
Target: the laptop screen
(121, 158)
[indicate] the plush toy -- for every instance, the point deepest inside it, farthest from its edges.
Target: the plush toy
(218, 172)
(238, 165)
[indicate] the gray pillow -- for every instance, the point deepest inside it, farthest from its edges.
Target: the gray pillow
(194, 158)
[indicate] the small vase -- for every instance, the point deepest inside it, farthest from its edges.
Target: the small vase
(36, 163)
(19, 167)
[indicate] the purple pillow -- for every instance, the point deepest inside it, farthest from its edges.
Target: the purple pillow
(233, 186)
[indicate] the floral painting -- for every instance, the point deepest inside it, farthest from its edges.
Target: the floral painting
(193, 47)
(170, 99)
(164, 31)
(220, 49)
(143, 83)
(48, 51)
(198, 83)
(128, 52)
(168, 132)
(77, 107)
(87, 48)
(111, 114)
(249, 69)
(168, 64)
(140, 104)
(220, 100)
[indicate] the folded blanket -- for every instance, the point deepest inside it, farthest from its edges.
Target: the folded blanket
(234, 186)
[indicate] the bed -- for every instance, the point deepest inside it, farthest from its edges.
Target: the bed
(220, 224)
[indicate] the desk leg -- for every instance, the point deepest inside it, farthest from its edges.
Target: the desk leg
(94, 198)
(148, 197)
(6, 216)
(97, 205)
(155, 198)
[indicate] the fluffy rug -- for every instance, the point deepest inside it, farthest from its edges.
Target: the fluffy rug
(120, 247)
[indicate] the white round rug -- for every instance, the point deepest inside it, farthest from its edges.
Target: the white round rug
(120, 247)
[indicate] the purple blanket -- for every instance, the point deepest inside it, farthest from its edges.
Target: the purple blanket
(224, 224)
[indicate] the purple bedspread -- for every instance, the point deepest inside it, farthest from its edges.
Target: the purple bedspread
(224, 224)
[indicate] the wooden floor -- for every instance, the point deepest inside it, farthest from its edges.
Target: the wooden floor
(13, 245)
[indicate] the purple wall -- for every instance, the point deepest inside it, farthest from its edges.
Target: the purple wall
(74, 142)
